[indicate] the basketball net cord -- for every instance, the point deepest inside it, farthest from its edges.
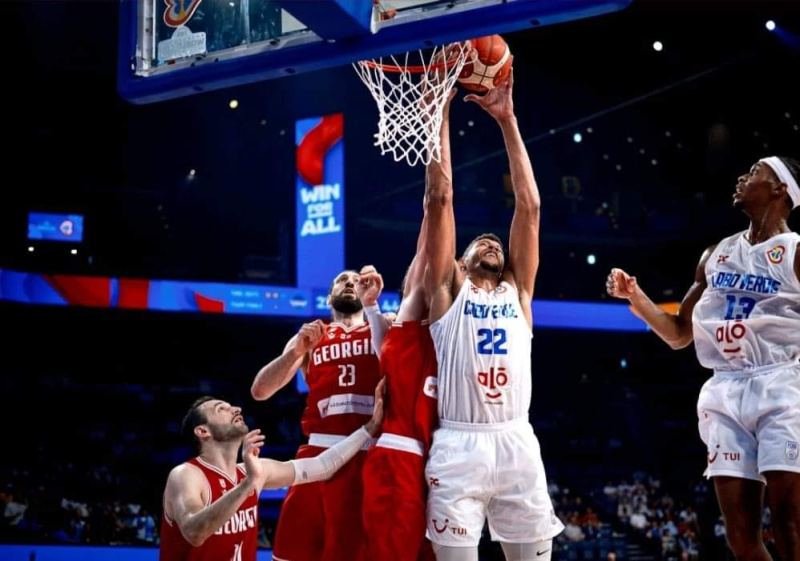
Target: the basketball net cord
(410, 99)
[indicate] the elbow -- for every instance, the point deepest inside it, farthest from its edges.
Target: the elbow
(194, 538)
(258, 393)
(197, 542)
(438, 197)
(680, 343)
(530, 205)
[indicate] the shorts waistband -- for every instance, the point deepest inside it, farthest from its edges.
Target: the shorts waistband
(404, 443)
(328, 440)
(758, 371)
(482, 427)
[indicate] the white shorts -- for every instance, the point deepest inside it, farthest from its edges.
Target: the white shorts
(495, 470)
(751, 423)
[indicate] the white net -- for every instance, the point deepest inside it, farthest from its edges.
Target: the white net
(410, 100)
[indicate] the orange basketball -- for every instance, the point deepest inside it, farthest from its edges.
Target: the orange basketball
(488, 66)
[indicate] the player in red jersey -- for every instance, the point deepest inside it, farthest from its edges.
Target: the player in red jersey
(394, 473)
(318, 522)
(211, 502)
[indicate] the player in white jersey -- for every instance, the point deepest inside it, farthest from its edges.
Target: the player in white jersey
(743, 312)
(485, 459)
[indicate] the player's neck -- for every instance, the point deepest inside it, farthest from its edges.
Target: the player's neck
(766, 223)
(222, 455)
(485, 280)
(348, 320)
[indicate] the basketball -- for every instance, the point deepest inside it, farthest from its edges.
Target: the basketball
(489, 65)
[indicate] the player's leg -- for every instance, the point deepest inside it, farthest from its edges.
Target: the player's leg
(733, 461)
(784, 502)
(539, 551)
(426, 552)
(394, 504)
(742, 502)
(300, 532)
(459, 485)
(521, 512)
(450, 553)
(345, 539)
(779, 455)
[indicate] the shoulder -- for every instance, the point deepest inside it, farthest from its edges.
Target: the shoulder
(457, 279)
(186, 470)
(510, 280)
(186, 476)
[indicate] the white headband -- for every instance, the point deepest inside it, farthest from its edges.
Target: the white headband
(785, 176)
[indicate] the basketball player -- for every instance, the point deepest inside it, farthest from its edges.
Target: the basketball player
(394, 472)
(211, 502)
(485, 459)
(743, 312)
(318, 522)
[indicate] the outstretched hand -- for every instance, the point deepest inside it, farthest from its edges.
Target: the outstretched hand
(620, 284)
(498, 101)
(369, 286)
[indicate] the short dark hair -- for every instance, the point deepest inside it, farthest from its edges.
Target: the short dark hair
(484, 236)
(194, 418)
(794, 169)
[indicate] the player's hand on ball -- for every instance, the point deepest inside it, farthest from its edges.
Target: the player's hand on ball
(497, 102)
(620, 284)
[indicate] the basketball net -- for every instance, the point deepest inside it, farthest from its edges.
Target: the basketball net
(411, 91)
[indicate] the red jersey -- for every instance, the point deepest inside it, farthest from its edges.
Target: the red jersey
(236, 540)
(342, 374)
(408, 360)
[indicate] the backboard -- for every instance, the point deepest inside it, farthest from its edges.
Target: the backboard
(175, 48)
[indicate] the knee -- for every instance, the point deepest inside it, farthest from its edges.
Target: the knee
(744, 543)
(786, 516)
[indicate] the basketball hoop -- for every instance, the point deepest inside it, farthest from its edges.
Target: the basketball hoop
(410, 92)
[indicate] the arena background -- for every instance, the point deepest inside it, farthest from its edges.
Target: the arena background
(195, 191)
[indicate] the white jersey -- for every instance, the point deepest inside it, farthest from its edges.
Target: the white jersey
(483, 345)
(749, 316)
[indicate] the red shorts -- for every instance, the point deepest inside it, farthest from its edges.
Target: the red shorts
(394, 506)
(321, 521)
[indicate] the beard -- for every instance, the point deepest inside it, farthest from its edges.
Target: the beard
(491, 267)
(346, 305)
(227, 433)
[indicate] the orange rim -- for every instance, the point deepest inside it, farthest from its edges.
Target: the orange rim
(414, 69)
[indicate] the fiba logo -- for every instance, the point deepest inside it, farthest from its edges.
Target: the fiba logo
(775, 255)
(178, 12)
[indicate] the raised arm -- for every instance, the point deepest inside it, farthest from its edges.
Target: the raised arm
(674, 329)
(523, 250)
(440, 238)
(369, 288)
(280, 371)
(523, 243)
